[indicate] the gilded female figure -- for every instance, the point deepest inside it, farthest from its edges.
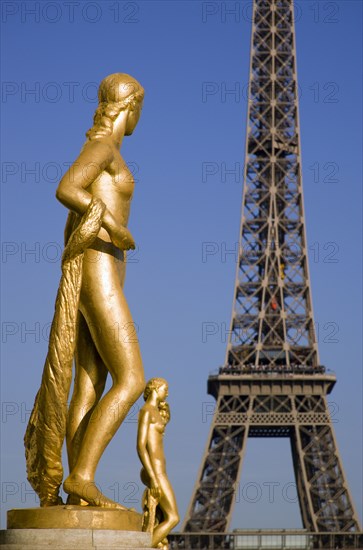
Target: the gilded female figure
(106, 341)
(153, 418)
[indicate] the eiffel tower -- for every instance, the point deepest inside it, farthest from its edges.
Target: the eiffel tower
(272, 383)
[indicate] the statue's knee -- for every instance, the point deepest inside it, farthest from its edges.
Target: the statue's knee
(136, 385)
(83, 399)
(129, 391)
(174, 520)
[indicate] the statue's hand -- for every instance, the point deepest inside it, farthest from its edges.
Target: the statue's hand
(122, 238)
(120, 235)
(155, 490)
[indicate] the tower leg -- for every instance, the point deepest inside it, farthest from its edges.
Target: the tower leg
(325, 487)
(212, 504)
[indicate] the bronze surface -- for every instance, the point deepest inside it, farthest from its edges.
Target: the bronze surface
(74, 517)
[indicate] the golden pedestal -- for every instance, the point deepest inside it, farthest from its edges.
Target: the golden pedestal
(69, 527)
(74, 517)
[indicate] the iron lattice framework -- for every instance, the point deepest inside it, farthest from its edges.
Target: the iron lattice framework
(272, 384)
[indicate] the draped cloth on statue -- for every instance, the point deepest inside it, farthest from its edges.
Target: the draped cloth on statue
(46, 429)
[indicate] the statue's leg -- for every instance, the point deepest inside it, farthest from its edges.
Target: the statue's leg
(169, 509)
(89, 383)
(106, 312)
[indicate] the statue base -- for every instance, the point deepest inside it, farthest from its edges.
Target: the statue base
(69, 527)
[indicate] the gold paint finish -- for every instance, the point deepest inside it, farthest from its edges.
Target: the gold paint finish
(160, 507)
(74, 517)
(92, 320)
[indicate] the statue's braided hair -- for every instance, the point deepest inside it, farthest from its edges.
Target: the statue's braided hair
(153, 384)
(116, 93)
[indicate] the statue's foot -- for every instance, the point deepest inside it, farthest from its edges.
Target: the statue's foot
(88, 491)
(76, 501)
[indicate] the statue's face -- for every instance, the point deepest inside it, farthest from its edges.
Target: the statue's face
(133, 119)
(163, 392)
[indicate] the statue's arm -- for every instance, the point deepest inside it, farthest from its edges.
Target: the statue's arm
(72, 189)
(142, 439)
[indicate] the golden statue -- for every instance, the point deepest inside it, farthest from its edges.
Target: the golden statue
(92, 321)
(160, 508)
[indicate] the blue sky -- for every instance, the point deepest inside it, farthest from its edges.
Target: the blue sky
(52, 61)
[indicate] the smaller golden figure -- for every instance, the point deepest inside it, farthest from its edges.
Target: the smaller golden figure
(160, 508)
